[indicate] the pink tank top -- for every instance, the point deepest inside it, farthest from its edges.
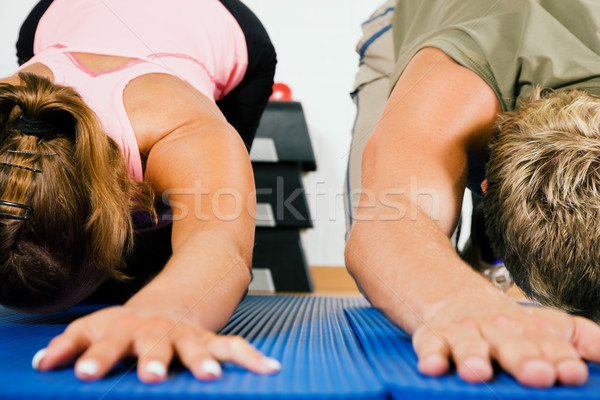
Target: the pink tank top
(197, 41)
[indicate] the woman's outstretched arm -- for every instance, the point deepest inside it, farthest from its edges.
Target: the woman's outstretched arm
(201, 167)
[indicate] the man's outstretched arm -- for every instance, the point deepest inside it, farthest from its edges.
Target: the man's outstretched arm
(413, 178)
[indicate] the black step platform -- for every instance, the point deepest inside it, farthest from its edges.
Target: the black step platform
(281, 188)
(280, 154)
(282, 136)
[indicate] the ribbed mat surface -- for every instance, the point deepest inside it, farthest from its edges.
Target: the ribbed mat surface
(309, 335)
(391, 356)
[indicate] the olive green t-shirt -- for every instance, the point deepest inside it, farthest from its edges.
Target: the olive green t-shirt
(512, 45)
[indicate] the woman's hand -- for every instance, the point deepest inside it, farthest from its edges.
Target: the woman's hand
(98, 341)
(536, 345)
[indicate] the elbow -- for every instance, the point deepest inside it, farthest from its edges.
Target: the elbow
(241, 261)
(241, 249)
(355, 253)
(363, 258)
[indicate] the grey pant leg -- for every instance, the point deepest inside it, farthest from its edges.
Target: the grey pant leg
(370, 94)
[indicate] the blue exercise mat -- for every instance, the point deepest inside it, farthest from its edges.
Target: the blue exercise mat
(330, 349)
(391, 355)
(309, 335)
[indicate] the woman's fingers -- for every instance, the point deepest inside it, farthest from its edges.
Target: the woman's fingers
(99, 341)
(202, 351)
(154, 353)
(239, 351)
(194, 355)
(63, 349)
(103, 354)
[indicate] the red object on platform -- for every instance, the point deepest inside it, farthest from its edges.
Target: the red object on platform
(281, 92)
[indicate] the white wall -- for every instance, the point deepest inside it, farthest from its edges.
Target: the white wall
(315, 42)
(12, 14)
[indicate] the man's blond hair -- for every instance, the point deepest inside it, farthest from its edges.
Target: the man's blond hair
(543, 198)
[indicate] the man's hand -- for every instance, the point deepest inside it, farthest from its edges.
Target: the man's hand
(536, 345)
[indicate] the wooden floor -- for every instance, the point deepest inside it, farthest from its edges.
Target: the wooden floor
(333, 281)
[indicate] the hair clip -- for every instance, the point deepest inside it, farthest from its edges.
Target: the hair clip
(34, 127)
(28, 211)
(34, 153)
(21, 166)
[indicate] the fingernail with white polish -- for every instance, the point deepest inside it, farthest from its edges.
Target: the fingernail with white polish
(35, 362)
(211, 367)
(156, 368)
(87, 367)
(272, 364)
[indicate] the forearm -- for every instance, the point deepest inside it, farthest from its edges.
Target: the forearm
(203, 282)
(408, 267)
(406, 264)
(177, 313)
(203, 173)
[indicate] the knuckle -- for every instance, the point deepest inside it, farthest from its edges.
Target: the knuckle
(76, 326)
(589, 348)
(236, 343)
(206, 336)
(551, 341)
(541, 324)
(514, 344)
(470, 346)
(124, 322)
(184, 333)
(57, 340)
(425, 332)
(502, 321)
(467, 323)
(481, 347)
(160, 323)
(419, 333)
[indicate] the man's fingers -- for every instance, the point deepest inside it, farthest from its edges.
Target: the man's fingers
(570, 369)
(518, 354)
(586, 339)
(470, 351)
(432, 351)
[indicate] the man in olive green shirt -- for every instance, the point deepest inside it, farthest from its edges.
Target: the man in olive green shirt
(509, 84)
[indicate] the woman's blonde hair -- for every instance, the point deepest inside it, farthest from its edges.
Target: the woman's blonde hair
(75, 180)
(543, 198)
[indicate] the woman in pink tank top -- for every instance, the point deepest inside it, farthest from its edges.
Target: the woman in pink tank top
(113, 119)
